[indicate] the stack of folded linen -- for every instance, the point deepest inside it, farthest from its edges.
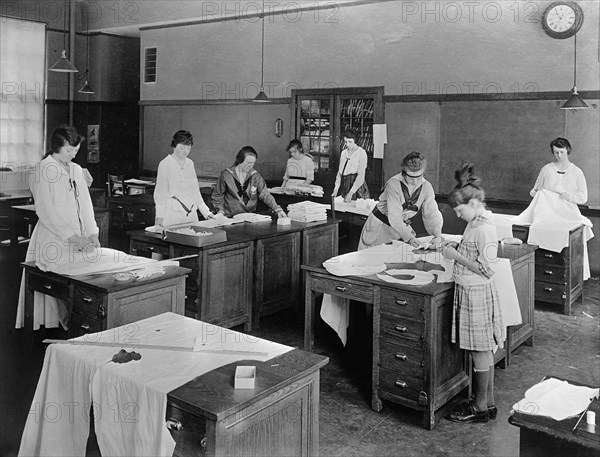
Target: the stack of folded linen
(307, 211)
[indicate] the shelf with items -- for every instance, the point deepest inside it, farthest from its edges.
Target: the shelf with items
(320, 116)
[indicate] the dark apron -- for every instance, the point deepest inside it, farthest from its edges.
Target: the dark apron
(348, 181)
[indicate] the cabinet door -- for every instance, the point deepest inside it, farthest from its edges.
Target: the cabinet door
(277, 271)
(226, 285)
(322, 115)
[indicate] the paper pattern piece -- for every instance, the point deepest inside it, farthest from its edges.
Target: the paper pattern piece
(417, 277)
(379, 139)
(556, 399)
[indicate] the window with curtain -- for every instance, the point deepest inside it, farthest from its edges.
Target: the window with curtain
(22, 86)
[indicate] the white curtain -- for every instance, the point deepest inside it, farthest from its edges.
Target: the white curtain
(22, 86)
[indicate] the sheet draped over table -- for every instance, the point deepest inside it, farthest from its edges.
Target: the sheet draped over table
(129, 399)
(550, 219)
(374, 260)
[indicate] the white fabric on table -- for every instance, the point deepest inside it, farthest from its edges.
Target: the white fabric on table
(129, 399)
(335, 310)
(551, 219)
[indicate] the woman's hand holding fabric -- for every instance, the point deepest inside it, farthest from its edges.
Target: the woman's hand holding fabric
(449, 252)
(348, 197)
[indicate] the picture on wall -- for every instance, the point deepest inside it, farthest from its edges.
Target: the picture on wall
(93, 140)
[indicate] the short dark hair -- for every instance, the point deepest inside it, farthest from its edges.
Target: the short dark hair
(350, 133)
(295, 144)
(245, 151)
(182, 137)
(414, 161)
(561, 143)
(467, 187)
(62, 135)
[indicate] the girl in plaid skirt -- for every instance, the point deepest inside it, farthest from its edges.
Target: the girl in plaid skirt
(477, 320)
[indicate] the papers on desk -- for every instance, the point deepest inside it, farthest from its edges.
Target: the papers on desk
(106, 260)
(307, 211)
(139, 182)
(359, 206)
(252, 217)
(556, 399)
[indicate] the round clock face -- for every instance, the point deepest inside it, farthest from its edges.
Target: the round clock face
(562, 19)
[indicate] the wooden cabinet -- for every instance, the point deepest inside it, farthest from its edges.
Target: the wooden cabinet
(129, 213)
(279, 417)
(219, 288)
(99, 302)
(558, 275)
(522, 260)
(320, 116)
(10, 226)
(414, 362)
(276, 274)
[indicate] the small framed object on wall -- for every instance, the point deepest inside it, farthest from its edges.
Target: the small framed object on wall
(93, 139)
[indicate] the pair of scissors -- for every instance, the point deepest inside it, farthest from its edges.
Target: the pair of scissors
(185, 208)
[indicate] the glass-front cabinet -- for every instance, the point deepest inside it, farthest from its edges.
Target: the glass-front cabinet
(320, 116)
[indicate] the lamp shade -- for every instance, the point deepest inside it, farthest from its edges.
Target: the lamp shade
(63, 65)
(574, 101)
(86, 89)
(261, 97)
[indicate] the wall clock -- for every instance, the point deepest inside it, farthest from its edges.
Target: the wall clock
(562, 19)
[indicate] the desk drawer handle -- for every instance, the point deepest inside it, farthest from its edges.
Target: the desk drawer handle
(402, 357)
(341, 288)
(87, 299)
(119, 207)
(101, 313)
(174, 424)
(400, 328)
(548, 272)
(401, 384)
(548, 289)
(86, 327)
(402, 302)
(48, 286)
(142, 210)
(548, 256)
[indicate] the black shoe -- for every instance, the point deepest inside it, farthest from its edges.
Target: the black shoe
(493, 411)
(469, 413)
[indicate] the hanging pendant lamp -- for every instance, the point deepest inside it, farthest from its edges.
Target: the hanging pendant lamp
(86, 89)
(63, 65)
(574, 101)
(262, 97)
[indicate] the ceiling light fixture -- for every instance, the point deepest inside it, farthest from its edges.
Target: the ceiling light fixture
(63, 65)
(262, 97)
(574, 101)
(86, 89)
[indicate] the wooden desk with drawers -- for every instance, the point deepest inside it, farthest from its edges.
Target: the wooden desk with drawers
(558, 275)
(100, 302)
(414, 362)
(254, 273)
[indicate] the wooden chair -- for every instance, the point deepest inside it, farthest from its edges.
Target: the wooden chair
(116, 185)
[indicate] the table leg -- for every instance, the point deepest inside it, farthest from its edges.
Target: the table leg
(28, 311)
(376, 403)
(309, 315)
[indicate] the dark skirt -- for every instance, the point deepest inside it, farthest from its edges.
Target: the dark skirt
(346, 184)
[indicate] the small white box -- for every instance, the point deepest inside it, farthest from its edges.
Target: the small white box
(244, 377)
